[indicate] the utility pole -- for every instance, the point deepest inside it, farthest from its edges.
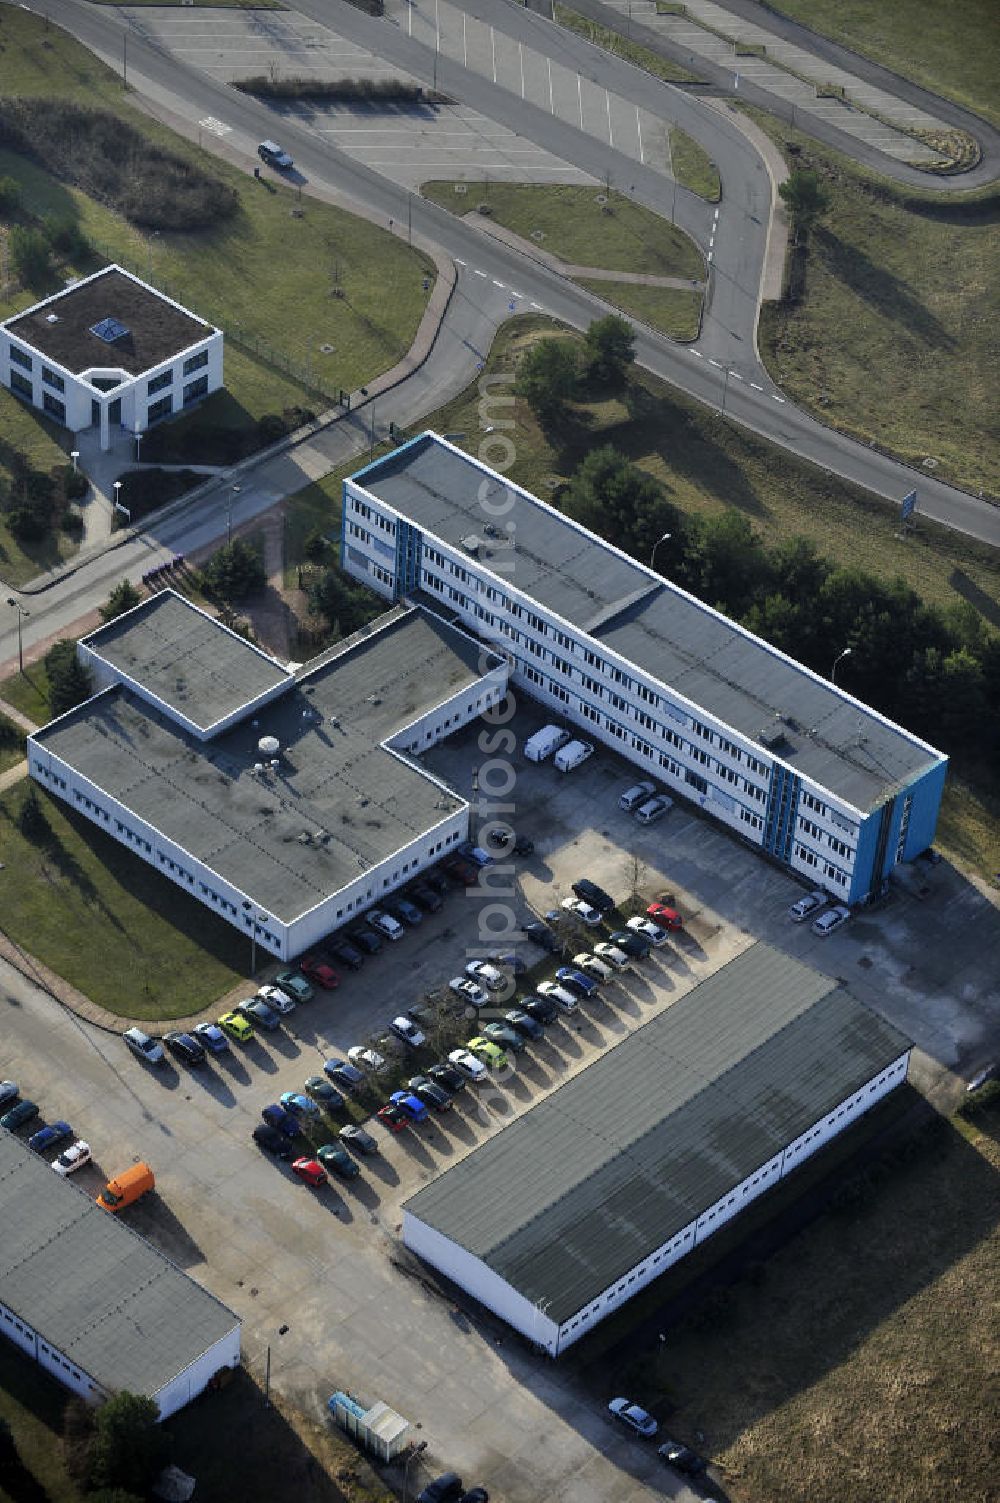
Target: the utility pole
(125, 61)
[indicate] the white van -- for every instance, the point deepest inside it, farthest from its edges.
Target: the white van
(653, 808)
(544, 742)
(637, 794)
(572, 754)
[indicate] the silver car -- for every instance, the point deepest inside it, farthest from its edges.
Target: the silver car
(804, 907)
(831, 919)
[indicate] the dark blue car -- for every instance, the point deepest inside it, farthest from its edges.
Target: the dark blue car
(47, 1137)
(276, 1116)
(577, 981)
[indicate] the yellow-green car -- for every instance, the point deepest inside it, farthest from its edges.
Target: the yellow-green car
(237, 1027)
(490, 1054)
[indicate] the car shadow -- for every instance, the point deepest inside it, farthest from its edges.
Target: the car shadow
(213, 1085)
(233, 1065)
(260, 1058)
(362, 1191)
(411, 1144)
(458, 1127)
(153, 1219)
(285, 1044)
(380, 1168)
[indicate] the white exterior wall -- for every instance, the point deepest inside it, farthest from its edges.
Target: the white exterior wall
(486, 1286)
(16, 1329)
(194, 1379)
(494, 1292)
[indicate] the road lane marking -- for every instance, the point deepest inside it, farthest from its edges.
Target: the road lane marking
(698, 353)
(776, 398)
(499, 284)
(479, 273)
(552, 108)
(736, 375)
(638, 127)
(611, 134)
(579, 96)
(716, 363)
(755, 386)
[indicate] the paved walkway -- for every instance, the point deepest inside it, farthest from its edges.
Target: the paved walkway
(18, 717)
(13, 775)
(565, 269)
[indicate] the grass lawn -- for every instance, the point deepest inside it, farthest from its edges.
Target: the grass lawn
(895, 339)
(579, 230)
(693, 167)
(969, 827)
(11, 744)
(669, 309)
(953, 51)
(32, 1403)
(857, 1359)
(614, 41)
(29, 692)
(24, 432)
(150, 951)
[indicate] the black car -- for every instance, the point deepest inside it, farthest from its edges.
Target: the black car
(507, 1037)
(540, 934)
(523, 1023)
(448, 1488)
(475, 1495)
(186, 1047)
(430, 1093)
(346, 954)
(435, 880)
(681, 1458)
(357, 1138)
(447, 1076)
(594, 895)
(344, 1074)
(542, 1009)
(631, 942)
(365, 939)
(523, 846)
(509, 960)
(272, 1140)
(426, 898)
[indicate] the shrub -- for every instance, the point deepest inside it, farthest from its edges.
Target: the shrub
(69, 682)
(123, 598)
(31, 819)
(233, 572)
(10, 195)
(30, 254)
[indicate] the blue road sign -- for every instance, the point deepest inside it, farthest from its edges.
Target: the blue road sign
(909, 505)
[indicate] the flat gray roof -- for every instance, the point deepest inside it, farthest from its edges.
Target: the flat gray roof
(338, 804)
(188, 660)
(622, 1157)
(832, 740)
(92, 1287)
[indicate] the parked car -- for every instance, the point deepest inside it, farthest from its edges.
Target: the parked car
(385, 924)
(651, 931)
(276, 1116)
(805, 907)
(366, 940)
(523, 1023)
(487, 975)
(831, 919)
(310, 1171)
(594, 895)
(637, 1420)
(49, 1136)
(324, 1094)
(637, 794)
(295, 984)
(509, 960)
(560, 995)
(393, 1117)
(490, 1054)
(542, 1009)
(72, 1158)
(459, 870)
(448, 1488)
(665, 916)
(468, 1065)
(237, 1027)
(431, 1094)
(572, 755)
(361, 1141)
(653, 808)
(211, 1038)
(598, 969)
(338, 1161)
(259, 1014)
(408, 912)
(581, 910)
(274, 155)
(8, 1092)
(505, 1037)
(344, 1074)
(404, 1028)
(576, 981)
(366, 1059)
(612, 955)
(185, 1046)
(469, 991)
(345, 953)
(541, 934)
(426, 898)
(298, 1104)
(475, 1495)
(448, 1077)
(320, 971)
(410, 1104)
(631, 942)
(436, 880)
(272, 1141)
(148, 1049)
(477, 855)
(681, 1458)
(277, 999)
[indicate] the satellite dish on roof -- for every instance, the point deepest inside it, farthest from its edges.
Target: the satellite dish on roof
(268, 746)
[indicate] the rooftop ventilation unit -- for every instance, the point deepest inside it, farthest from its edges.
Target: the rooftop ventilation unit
(269, 746)
(258, 769)
(109, 329)
(771, 736)
(51, 318)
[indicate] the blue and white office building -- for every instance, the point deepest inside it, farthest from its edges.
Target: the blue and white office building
(787, 760)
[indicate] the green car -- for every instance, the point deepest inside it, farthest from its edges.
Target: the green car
(295, 984)
(490, 1054)
(338, 1161)
(18, 1115)
(237, 1027)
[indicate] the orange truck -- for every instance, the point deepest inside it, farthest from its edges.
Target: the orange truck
(126, 1188)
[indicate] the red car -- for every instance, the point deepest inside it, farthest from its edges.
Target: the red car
(317, 970)
(311, 1170)
(392, 1117)
(461, 870)
(667, 918)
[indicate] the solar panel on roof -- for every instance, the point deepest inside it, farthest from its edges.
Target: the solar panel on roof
(109, 329)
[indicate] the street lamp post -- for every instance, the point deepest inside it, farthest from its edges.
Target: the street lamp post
(118, 495)
(256, 917)
(418, 1450)
(138, 441)
(839, 659)
(74, 455)
(664, 539)
(21, 613)
(229, 514)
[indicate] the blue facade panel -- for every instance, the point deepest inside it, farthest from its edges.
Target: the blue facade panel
(782, 808)
(918, 804)
(409, 546)
(924, 812)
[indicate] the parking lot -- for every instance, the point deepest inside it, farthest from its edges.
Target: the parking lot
(311, 1272)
